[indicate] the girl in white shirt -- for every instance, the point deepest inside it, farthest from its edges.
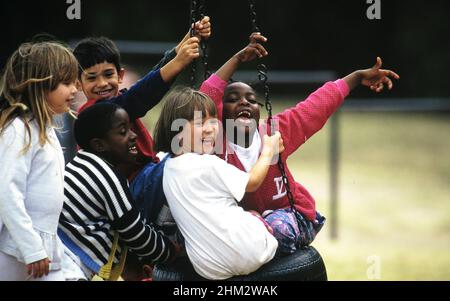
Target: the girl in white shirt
(38, 83)
(221, 239)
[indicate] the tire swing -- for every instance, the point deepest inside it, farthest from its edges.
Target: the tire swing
(304, 264)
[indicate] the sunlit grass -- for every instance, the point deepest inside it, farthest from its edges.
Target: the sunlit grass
(394, 195)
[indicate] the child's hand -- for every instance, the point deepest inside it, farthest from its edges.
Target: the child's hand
(203, 28)
(273, 144)
(375, 78)
(39, 268)
(188, 52)
(254, 49)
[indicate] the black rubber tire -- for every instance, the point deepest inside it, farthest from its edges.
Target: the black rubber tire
(303, 265)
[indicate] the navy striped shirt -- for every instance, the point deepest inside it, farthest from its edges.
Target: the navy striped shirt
(97, 203)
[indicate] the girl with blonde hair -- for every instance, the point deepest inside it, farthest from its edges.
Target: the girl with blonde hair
(38, 83)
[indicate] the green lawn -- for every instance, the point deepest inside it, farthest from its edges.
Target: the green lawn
(394, 195)
(394, 199)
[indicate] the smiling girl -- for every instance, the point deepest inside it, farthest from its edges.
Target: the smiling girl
(38, 83)
(203, 191)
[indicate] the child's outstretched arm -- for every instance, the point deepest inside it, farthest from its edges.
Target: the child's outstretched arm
(374, 77)
(272, 146)
(301, 122)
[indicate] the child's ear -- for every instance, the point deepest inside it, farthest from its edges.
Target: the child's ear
(121, 74)
(78, 85)
(98, 145)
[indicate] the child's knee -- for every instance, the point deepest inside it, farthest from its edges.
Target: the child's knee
(285, 229)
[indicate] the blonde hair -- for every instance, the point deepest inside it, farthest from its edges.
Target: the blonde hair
(180, 103)
(32, 71)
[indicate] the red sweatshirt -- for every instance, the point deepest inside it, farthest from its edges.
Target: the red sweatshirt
(296, 125)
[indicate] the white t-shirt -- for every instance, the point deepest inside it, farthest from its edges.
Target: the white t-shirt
(248, 156)
(222, 240)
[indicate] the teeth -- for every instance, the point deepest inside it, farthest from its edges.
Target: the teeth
(244, 114)
(103, 92)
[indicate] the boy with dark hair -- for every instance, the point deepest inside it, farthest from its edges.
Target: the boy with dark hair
(100, 75)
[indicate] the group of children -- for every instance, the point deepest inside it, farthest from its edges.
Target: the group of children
(220, 182)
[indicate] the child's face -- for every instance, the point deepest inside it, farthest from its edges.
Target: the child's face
(101, 81)
(60, 98)
(199, 135)
(240, 106)
(120, 142)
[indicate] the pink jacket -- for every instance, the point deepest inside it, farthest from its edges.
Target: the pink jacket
(296, 125)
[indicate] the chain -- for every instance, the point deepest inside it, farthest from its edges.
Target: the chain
(203, 44)
(262, 77)
(192, 31)
(197, 13)
(255, 27)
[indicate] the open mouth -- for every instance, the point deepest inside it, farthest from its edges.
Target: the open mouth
(133, 150)
(208, 143)
(208, 140)
(244, 116)
(104, 93)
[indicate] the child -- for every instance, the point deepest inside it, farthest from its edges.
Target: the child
(100, 74)
(221, 239)
(237, 106)
(97, 200)
(38, 83)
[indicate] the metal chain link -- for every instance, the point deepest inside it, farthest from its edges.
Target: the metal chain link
(197, 14)
(193, 19)
(203, 44)
(262, 77)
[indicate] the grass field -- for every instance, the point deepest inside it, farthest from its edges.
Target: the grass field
(394, 195)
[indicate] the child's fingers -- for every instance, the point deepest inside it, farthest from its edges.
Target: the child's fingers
(206, 33)
(391, 73)
(192, 40)
(193, 53)
(257, 52)
(47, 267)
(261, 49)
(188, 49)
(202, 24)
(257, 37)
(378, 64)
(206, 19)
(42, 268)
(388, 82)
(36, 269)
(380, 88)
